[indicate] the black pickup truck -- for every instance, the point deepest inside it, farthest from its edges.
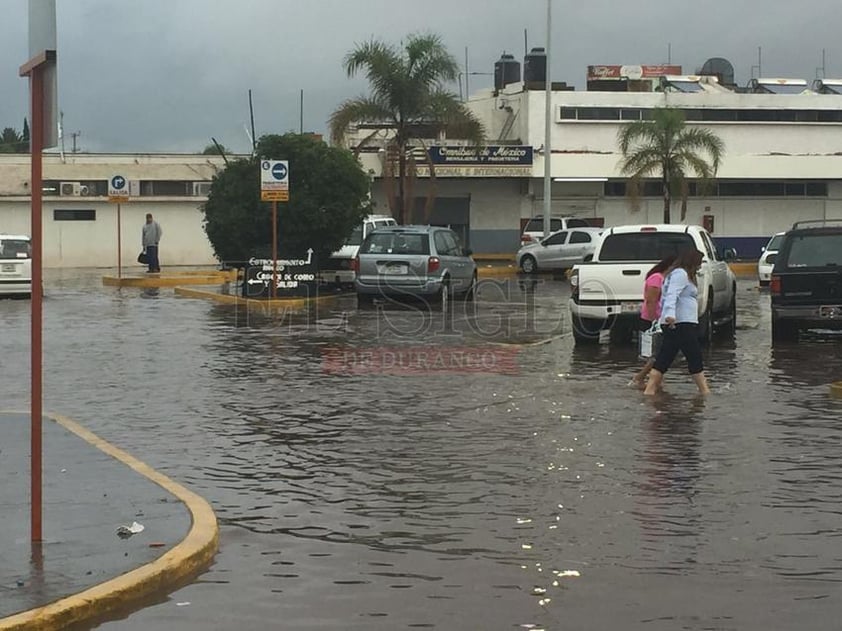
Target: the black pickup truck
(806, 284)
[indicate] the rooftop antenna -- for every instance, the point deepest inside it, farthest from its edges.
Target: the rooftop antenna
(251, 114)
(822, 67)
(669, 53)
(759, 65)
(525, 43)
(467, 91)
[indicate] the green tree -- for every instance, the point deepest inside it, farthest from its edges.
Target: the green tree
(10, 140)
(212, 150)
(407, 94)
(328, 198)
(666, 148)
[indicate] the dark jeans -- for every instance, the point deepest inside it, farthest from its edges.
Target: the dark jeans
(152, 257)
(685, 338)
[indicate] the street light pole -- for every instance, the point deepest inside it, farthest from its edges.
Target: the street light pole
(548, 111)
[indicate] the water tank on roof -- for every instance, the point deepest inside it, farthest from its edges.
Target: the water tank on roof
(721, 69)
(535, 66)
(506, 71)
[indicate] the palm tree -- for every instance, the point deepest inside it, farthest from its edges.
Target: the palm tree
(407, 95)
(664, 146)
(10, 141)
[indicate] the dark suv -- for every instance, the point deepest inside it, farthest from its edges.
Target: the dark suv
(806, 283)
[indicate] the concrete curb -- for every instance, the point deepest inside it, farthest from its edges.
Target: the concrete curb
(229, 299)
(496, 271)
(191, 556)
(154, 280)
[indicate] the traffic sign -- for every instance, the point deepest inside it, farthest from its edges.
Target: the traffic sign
(118, 189)
(274, 180)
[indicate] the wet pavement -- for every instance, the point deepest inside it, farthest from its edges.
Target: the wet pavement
(358, 488)
(87, 496)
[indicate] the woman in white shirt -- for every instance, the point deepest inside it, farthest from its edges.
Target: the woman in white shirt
(680, 322)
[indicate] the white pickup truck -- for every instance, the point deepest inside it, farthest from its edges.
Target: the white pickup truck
(607, 291)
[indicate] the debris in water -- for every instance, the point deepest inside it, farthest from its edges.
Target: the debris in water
(124, 532)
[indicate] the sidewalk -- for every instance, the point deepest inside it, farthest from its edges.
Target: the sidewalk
(88, 494)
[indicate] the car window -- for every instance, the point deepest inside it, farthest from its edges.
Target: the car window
(577, 223)
(643, 246)
(15, 249)
(536, 224)
(395, 243)
(442, 246)
(775, 243)
(556, 239)
(455, 244)
(709, 248)
(380, 223)
(815, 250)
(580, 237)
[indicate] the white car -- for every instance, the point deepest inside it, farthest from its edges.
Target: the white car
(767, 259)
(533, 231)
(15, 265)
(559, 251)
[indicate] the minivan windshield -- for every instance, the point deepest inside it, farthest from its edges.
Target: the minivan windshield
(815, 250)
(644, 246)
(15, 249)
(396, 243)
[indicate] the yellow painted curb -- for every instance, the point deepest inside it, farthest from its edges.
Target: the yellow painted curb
(233, 299)
(496, 271)
(190, 557)
(165, 281)
(479, 258)
(836, 389)
(743, 269)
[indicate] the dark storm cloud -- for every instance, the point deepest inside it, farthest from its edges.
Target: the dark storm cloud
(158, 75)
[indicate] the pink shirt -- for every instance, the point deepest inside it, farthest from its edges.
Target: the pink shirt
(655, 280)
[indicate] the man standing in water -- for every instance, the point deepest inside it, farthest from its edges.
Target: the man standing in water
(151, 237)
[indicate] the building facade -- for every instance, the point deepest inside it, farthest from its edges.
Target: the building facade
(783, 162)
(80, 225)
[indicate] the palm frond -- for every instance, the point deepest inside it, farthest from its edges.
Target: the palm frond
(644, 161)
(448, 114)
(359, 110)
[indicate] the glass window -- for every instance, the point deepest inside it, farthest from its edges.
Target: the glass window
(816, 189)
(75, 214)
(577, 222)
(794, 189)
(356, 236)
(556, 239)
(615, 189)
(630, 115)
(599, 113)
(15, 249)
(568, 113)
(709, 247)
(775, 243)
(395, 243)
(643, 246)
(815, 250)
(580, 237)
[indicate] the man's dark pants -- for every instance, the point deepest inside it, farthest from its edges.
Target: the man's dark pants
(152, 256)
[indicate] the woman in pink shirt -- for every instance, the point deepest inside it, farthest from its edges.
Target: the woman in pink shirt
(650, 311)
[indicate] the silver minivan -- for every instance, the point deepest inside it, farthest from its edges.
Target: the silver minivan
(405, 261)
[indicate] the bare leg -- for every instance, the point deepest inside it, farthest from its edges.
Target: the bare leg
(701, 383)
(656, 377)
(640, 376)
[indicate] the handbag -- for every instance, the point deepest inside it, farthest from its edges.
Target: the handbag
(650, 341)
(143, 259)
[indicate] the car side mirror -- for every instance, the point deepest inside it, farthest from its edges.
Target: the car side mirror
(762, 249)
(730, 254)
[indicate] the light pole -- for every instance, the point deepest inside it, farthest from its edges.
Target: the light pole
(548, 111)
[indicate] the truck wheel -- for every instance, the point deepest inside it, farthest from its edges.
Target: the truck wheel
(784, 330)
(586, 330)
(731, 326)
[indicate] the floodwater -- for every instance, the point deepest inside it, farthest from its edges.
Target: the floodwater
(526, 488)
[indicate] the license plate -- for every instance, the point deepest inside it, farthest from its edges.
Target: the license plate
(9, 267)
(630, 307)
(830, 312)
(394, 269)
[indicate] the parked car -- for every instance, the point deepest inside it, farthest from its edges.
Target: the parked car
(339, 268)
(806, 284)
(559, 251)
(404, 261)
(15, 265)
(607, 291)
(533, 231)
(767, 258)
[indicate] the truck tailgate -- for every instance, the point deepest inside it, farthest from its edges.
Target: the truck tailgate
(612, 283)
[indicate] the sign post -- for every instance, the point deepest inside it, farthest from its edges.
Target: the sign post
(274, 187)
(41, 70)
(118, 192)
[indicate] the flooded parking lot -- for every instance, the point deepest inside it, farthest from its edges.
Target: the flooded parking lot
(508, 481)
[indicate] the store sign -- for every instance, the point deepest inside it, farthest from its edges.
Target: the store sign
(596, 73)
(494, 155)
(475, 171)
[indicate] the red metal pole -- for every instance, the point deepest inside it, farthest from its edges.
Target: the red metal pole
(119, 246)
(37, 137)
(274, 291)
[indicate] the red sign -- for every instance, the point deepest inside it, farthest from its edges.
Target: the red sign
(596, 73)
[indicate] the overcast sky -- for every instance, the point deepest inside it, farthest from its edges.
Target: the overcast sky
(166, 75)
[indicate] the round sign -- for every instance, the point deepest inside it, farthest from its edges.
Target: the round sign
(279, 171)
(265, 165)
(118, 182)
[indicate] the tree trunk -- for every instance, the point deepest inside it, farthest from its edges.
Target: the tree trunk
(667, 198)
(401, 184)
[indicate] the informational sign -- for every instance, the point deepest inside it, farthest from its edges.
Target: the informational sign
(494, 155)
(274, 180)
(118, 189)
(295, 277)
(634, 73)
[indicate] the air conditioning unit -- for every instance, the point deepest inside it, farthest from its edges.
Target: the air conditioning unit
(70, 189)
(201, 189)
(85, 191)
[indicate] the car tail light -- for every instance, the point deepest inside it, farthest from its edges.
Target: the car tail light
(355, 265)
(649, 229)
(433, 264)
(525, 239)
(775, 286)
